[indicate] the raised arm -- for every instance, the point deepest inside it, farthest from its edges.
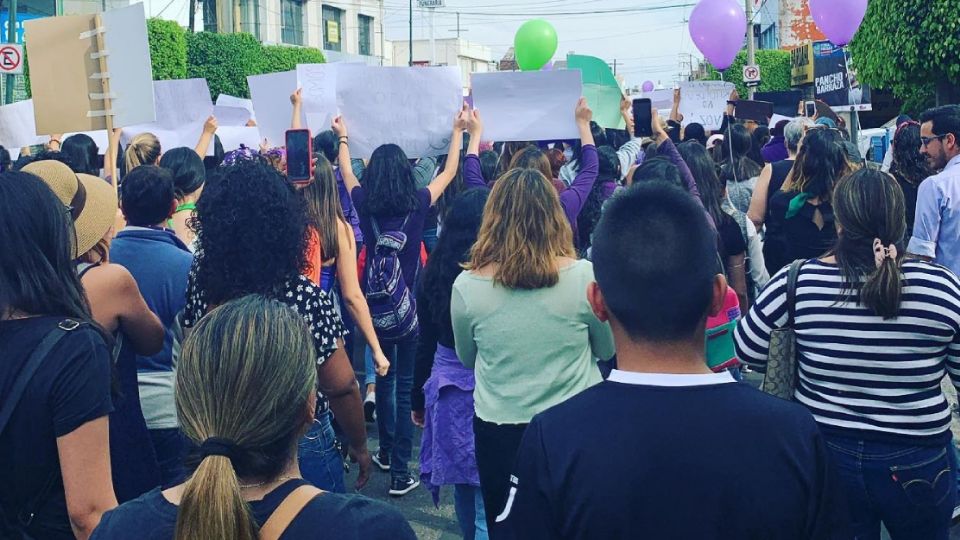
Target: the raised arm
(209, 129)
(449, 172)
(667, 149)
(675, 109)
(339, 128)
(296, 99)
(472, 170)
(573, 198)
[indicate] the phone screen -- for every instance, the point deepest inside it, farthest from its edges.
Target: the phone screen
(642, 118)
(811, 109)
(298, 155)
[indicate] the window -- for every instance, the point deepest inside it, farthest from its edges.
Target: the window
(291, 22)
(366, 34)
(250, 17)
(332, 28)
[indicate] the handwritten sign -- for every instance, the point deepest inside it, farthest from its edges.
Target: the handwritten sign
(318, 83)
(704, 102)
(412, 107)
(270, 94)
(528, 106)
(183, 106)
(225, 100)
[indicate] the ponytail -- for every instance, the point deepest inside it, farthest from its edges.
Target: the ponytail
(882, 289)
(212, 505)
(144, 149)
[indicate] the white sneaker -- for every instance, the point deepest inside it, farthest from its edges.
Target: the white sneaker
(370, 407)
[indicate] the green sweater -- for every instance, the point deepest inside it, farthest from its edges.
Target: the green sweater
(531, 349)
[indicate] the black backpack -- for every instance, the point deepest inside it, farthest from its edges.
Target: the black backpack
(17, 529)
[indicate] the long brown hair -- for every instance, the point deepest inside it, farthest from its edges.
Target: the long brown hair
(323, 204)
(868, 204)
(524, 230)
(532, 157)
(245, 376)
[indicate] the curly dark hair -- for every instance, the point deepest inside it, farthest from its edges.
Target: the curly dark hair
(251, 227)
(389, 183)
(458, 234)
(908, 163)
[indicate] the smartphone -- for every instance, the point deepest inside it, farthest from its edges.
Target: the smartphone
(642, 117)
(758, 111)
(299, 156)
(810, 109)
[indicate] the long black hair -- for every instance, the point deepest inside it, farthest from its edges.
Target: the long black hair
(704, 172)
(251, 227)
(189, 173)
(908, 163)
(388, 180)
(5, 162)
(83, 152)
(738, 166)
(37, 272)
(590, 214)
(457, 236)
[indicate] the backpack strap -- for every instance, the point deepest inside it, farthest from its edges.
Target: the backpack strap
(376, 229)
(792, 276)
(289, 509)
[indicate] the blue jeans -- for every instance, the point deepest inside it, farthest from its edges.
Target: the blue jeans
(320, 461)
(393, 406)
(171, 447)
(468, 502)
(911, 489)
(369, 371)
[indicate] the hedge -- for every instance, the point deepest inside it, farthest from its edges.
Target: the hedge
(284, 58)
(168, 49)
(774, 71)
(224, 60)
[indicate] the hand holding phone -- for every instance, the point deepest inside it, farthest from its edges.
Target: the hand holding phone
(299, 156)
(810, 109)
(643, 117)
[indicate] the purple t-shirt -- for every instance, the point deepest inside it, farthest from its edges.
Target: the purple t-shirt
(410, 254)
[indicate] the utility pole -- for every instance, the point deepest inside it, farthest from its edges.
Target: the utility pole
(11, 38)
(458, 30)
(433, 39)
(751, 44)
(410, 42)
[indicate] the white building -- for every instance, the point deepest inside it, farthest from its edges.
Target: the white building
(346, 30)
(469, 57)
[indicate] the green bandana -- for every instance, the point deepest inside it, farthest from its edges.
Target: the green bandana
(796, 203)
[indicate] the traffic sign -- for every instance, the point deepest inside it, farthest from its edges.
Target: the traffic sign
(751, 75)
(430, 3)
(11, 59)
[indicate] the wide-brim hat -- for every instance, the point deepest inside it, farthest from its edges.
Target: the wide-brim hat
(92, 202)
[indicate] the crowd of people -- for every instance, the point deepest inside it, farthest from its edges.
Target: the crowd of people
(182, 335)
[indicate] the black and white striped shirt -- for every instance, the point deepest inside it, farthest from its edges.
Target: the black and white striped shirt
(860, 375)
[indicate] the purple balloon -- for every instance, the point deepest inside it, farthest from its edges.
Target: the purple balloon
(647, 86)
(838, 19)
(548, 66)
(718, 28)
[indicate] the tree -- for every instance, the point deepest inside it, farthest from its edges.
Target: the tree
(910, 47)
(774, 71)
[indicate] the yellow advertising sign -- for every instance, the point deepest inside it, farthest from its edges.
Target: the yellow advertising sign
(801, 65)
(333, 32)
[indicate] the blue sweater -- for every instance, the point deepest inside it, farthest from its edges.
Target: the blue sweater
(160, 263)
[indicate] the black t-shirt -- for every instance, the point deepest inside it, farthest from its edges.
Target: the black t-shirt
(731, 238)
(71, 388)
(716, 461)
(778, 175)
(329, 515)
(798, 237)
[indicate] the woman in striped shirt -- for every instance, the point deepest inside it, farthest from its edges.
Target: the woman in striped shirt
(875, 335)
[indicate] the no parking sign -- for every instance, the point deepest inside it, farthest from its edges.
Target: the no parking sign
(11, 58)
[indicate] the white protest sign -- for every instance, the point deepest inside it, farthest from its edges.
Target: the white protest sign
(225, 100)
(100, 138)
(528, 106)
(18, 127)
(413, 107)
(231, 137)
(270, 94)
(128, 62)
(704, 102)
(319, 85)
(183, 106)
(231, 116)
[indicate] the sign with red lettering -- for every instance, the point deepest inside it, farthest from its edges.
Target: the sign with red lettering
(11, 59)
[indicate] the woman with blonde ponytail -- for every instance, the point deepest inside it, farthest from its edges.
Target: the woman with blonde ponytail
(245, 394)
(875, 334)
(144, 149)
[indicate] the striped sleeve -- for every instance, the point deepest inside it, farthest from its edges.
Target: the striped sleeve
(767, 314)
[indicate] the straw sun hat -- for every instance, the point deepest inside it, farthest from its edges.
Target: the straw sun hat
(92, 201)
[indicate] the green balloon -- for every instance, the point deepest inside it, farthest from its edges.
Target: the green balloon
(535, 44)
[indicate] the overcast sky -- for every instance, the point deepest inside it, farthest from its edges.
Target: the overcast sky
(646, 37)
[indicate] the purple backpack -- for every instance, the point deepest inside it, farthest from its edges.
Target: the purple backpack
(392, 307)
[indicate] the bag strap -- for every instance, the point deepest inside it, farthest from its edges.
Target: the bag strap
(283, 516)
(376, 229)
(33, 363)
(792, 276)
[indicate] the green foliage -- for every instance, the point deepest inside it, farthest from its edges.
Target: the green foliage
(224, 60)
(168, 49)
(909, 46)
(774, 71)
(283, 58)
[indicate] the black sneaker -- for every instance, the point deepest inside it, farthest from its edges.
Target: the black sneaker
(382, 461)
(402, 485)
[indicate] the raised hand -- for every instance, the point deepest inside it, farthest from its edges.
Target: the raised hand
(296, 98)
(210, 126)
(339, 126)
(583, 113)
